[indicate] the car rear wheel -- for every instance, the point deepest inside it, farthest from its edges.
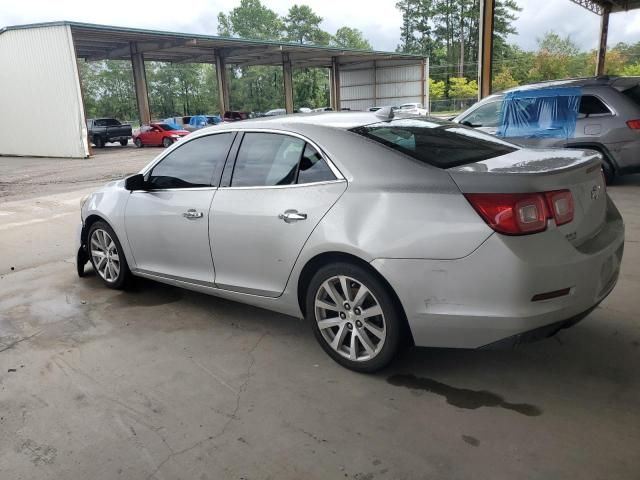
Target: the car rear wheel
(124, 142)
(98, 141)
(138, 143)
(107, 257)
(166, 142)
(354, 317)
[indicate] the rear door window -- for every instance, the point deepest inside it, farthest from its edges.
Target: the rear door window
(591, 106)
(313, 167)
(441, 144)
(267, 159)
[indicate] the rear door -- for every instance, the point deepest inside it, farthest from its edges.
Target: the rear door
(280, 189)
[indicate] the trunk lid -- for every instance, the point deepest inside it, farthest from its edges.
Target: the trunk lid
(544, 170)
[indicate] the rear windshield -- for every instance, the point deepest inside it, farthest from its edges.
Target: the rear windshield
(633, 94)
(441, 144)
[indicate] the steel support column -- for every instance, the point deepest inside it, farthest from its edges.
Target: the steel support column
(485, 54)
(223, 84)
(335, 84)
(288, 82)
(140, 83)
(602, 47)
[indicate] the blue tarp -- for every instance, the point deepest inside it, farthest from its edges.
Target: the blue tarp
(540, 113)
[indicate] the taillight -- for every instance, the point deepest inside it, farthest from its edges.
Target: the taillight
(561, 205)
(523, 213)
(634, 124)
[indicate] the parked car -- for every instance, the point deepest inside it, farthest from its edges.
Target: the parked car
(200, 121)
(410, 229)
(108, 130)
(411, 109)
(158, 134)
(375, 109)
(234, 116)
(181, 122)
(601, 114)
(274, 112)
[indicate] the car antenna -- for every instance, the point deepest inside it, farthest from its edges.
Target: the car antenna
(385, 113)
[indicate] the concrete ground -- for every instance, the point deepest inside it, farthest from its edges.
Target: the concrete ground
(162, 383)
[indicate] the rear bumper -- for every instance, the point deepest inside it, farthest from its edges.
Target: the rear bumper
(487, 296)
(626, 156)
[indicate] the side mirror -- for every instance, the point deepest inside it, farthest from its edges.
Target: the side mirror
(135, 182)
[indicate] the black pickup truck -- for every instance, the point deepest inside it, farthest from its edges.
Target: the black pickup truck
(108, 130)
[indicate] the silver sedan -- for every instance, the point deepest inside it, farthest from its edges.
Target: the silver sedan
(380, 231)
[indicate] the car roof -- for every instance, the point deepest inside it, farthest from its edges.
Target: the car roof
(603, 81)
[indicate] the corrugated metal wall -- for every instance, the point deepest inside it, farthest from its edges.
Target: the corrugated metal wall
(40, 97)
(382, 83)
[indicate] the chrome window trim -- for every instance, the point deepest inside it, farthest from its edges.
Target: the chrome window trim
(174, 146)
(186, 189)
(325, 157)
(292, 185)
(337, 173)
(612, 112)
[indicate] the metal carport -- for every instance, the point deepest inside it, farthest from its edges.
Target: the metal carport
(24, 49)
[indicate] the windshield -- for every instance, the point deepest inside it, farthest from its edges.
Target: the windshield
(441, 144)
(167, 127)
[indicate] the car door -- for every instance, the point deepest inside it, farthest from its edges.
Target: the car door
(154, 136)
(281, 187)
(167, 224)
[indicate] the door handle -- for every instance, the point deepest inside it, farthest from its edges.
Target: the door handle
(290, 216)
(192, 213)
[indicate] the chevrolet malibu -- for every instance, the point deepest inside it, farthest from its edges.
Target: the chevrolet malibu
(380, 231)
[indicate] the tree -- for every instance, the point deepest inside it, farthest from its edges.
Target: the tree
(556, 58)
(251, 20)
(503, 80)
(347, 37)
(631, 70)
(436, 89)
(462, 88)
(302, 25)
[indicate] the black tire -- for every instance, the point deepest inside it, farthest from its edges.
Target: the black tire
(98, 141)
(138, 143)
(391, 316)
(124, 142)
(167, 142)
(124, 274)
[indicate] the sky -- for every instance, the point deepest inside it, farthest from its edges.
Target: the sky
(379, 19)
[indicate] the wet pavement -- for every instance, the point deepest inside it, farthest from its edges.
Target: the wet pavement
(164, 383)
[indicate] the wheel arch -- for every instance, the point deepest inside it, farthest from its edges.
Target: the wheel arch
(598, 147)
(325, 258)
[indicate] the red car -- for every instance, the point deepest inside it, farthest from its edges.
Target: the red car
(158, 134)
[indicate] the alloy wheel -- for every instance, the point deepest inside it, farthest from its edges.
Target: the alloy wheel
(104, 254)
(350, 318)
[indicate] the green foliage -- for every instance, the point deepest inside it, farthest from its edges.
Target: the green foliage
(347, 37)
(631, 70)
(436, 89)
(460, 87)
(302, 25)
(504, 80)
(251, 20)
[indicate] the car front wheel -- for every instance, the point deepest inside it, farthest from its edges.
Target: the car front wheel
(107, 257)
(354, 317)
(166, 142)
